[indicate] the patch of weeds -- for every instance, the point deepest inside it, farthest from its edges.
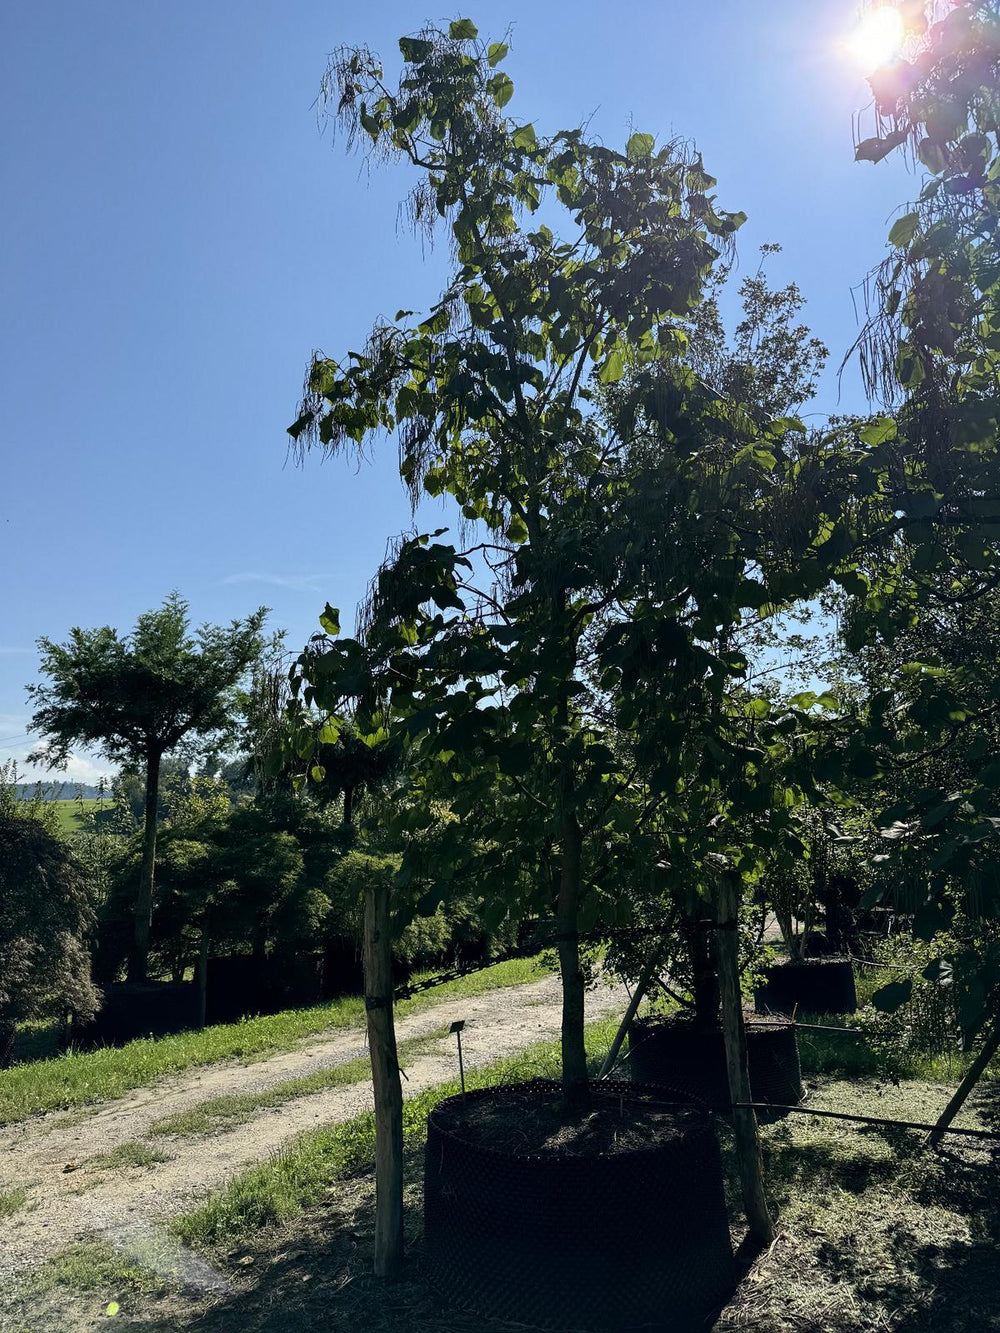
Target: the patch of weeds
(133, 1154)
(76, 1287)
(12, 1201)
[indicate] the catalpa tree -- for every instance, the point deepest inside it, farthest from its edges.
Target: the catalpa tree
(622, 513)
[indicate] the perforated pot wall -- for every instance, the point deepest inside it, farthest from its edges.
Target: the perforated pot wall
(825, 986)
(669, 1050)
(632, 1240)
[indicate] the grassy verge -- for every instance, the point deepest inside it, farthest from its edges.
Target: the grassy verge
(870, 1055)
(82, 1078)
(278, 1190)
(222, 1113)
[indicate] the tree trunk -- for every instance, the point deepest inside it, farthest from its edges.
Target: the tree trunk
(143, 909)
(748, 1154)
(704, 974)
(991, 1045)
(574, 1051)
(202, 977)
(387, 1087)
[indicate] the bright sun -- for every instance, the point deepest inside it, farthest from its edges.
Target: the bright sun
(878, 38)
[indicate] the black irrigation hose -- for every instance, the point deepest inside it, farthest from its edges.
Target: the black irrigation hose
(871, 1120)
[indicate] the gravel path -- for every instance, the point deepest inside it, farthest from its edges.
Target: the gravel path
(69, 1199)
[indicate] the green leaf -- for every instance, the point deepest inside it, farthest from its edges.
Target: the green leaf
(330, 620)
(371, 124)
(414, 49)
(495, 52)
(524, 137)
(502, 88)
(903, 230)
(329, 732)
(463, 30)
(639, 147)
(614, 366)
(879, 431)
(317, 773)
(517, 531)
(892, 997)
(932, 155)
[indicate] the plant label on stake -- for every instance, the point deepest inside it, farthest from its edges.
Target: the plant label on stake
(457, 1027)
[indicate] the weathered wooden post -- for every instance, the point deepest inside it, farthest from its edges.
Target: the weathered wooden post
(386, 1085)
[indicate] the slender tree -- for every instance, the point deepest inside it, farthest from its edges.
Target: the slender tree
(135, 698)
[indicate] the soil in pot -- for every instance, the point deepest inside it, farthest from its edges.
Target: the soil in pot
(673, 1049)
(815, 986)
(612, 1218)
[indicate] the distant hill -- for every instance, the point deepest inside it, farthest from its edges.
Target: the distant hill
(62, 791)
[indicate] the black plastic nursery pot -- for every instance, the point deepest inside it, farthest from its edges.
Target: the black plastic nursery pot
(296, 979)
(237, 985)
(8, 1035)
(816, 986)
(141, 1009)
(674, 1050)
(343, 971)
(559, 1232)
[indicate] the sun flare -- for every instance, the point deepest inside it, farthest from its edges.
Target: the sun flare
(878, 38)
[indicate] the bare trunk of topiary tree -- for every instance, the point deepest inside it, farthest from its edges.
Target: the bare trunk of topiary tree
(385, 1081)
(143, 909)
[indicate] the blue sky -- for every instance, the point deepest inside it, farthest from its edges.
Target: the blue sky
(178, 236)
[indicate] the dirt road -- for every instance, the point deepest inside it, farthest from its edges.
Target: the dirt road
(70, 1197)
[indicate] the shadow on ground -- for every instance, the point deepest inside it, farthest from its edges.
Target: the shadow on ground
(876, 1235)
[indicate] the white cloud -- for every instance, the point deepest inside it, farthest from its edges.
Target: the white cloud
(79, 767)
(295, 582)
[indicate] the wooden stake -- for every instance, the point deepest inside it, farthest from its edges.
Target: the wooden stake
(641, 986)
(745, 1131)
(387, 1087)
(989, 1049)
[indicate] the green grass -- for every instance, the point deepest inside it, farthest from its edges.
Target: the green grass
(222, 1113)
(91, 1266)
(867, 1056)
(280, 1189)
(12, 1201)
(70, 818)
(82, 1078)
(128, 1155)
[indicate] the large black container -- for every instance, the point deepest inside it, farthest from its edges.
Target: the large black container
(619, 1241)
(684, 1055)
(237, 985)
(817, 986)
(141, 1009)
(296, 979)
(343, 971)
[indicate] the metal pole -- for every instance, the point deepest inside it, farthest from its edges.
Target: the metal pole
(457, 1029)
